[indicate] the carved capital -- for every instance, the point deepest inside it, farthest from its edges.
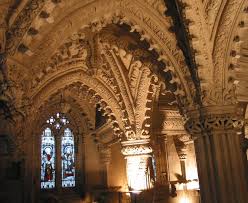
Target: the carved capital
(173, 123)
(218, 119)
(136, 147)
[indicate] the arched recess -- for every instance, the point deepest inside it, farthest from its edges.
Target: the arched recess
(92, 89)
(77, 124)
(143, 17)
(123, 76)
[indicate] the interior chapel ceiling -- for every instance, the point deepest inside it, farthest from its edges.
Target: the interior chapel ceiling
(124, 56)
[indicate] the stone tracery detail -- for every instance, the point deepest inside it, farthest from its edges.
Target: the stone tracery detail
(118, 19)
(111, 69)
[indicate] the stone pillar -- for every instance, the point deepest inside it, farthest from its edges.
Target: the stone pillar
(219, 155)
(161, 160)
(161, 190)
(105, 157)
(139, 168)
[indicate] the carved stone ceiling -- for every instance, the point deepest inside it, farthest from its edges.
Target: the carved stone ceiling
(100, 70)
(58, 20)
(214, 31)
(119, 54)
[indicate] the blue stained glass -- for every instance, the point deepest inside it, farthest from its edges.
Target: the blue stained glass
(47, 159)
(68, 159)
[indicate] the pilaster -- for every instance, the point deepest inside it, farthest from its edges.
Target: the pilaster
(105, 157)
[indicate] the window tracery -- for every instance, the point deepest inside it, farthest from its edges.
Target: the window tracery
(58, 121)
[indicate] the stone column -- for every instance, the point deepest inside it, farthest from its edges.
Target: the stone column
(219, 155)
(105, 157)
(139, 169)
(161, 192)
(161, 160)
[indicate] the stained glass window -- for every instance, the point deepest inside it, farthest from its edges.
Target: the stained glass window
(48, 155)
(68, 159)
(47, 159)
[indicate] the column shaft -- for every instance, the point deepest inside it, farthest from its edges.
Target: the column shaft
(220, 162)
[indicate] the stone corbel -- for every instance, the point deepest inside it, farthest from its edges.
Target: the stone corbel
(181, 142)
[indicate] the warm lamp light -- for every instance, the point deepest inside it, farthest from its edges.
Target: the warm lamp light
(192, 173)
(138, 173)
(139, 168)
(184, 199)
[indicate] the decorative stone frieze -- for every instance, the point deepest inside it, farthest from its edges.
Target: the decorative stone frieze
(22, 24)
(221, 50)
(136, 147)
(237, 62)
(173, 123)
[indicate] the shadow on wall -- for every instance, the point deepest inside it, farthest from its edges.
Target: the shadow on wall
(11, 174)
(49, 200)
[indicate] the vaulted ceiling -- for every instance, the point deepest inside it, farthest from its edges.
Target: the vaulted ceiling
(122, 54)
